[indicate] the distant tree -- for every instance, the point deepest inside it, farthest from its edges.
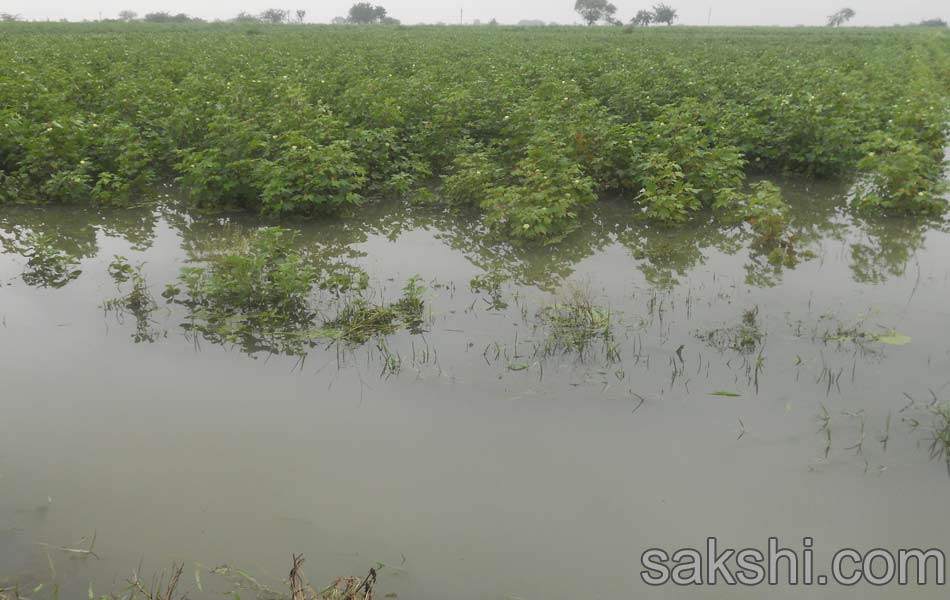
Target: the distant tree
(275, 16)
(841, 17)
(128, 15)
(8, 18)
(301, 15)
(493, 22)
(593, 11)
(364, 13)
(245, 17)
(531, 23)
(643, 18)
(339, 21)
(164, 17)
(933, 23)
(664, 13)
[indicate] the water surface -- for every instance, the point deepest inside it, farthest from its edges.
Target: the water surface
(481, 469)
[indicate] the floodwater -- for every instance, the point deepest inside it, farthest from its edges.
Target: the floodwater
(481, 467)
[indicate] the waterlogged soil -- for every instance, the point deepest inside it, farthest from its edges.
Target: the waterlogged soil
(484, 458)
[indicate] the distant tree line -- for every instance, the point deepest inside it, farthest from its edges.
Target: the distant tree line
(595, 11)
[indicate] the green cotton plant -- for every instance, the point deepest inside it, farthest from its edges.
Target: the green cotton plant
(899, 176)
(763, 209)
(666, 194)
(305, 178)
(222, 170)
(472, 176)
(544, 201)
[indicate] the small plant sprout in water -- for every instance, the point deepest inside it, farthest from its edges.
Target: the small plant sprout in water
(137, 302)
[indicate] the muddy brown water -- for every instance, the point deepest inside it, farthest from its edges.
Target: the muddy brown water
(480, 469)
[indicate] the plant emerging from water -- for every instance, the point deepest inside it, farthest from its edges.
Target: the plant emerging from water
(359, 320)
(490, 283)
(257, 298)
(746, 337)
(138, 302)
(576, 325)
(901, 176)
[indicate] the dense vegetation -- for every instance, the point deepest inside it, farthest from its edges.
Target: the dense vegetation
(529, 125)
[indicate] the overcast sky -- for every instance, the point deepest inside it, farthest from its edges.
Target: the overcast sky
(692, 12)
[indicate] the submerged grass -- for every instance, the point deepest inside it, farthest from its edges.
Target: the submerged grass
(576, 325)
(358, 320)
(746, 337)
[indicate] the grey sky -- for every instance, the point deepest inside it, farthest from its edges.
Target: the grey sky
(692, 12)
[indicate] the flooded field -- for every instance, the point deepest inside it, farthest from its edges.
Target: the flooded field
(557, 412)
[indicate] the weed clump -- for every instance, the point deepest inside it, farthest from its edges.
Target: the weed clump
(358, 320)
(745, 338)
(576, 325)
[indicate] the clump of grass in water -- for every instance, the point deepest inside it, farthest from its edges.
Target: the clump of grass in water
(857, 333)
(746, 337)
(139, 302)
(358, 320)
(490, 283)
(940, 443)
(577, 325)
(46, 265)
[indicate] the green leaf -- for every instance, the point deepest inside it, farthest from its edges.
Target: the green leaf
(893, 338)
(726, 394)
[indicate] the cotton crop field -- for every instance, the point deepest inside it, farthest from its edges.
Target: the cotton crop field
(529, 125)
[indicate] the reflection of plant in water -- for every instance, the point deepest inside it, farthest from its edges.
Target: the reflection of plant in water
(138, 302)
(47, 266)
(774, 246)
(886, 247)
